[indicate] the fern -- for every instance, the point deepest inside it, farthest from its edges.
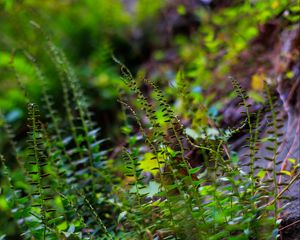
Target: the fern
(70, 187)
(226, 177)
(37, 168)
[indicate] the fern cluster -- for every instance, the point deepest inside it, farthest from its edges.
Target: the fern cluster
(70, 190)
(220, 199)
(67, 189)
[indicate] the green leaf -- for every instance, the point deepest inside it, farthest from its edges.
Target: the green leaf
(292, 160)
(261, 174)
(194, 170)
(149, 163)
(121, 216)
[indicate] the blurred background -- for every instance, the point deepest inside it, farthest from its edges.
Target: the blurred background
(151, 37)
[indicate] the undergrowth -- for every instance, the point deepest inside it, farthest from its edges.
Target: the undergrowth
(72, 190)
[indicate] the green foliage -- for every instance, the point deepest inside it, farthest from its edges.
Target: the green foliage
(217, 200)
(173, 176)
(68, 184)
(63, 188)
